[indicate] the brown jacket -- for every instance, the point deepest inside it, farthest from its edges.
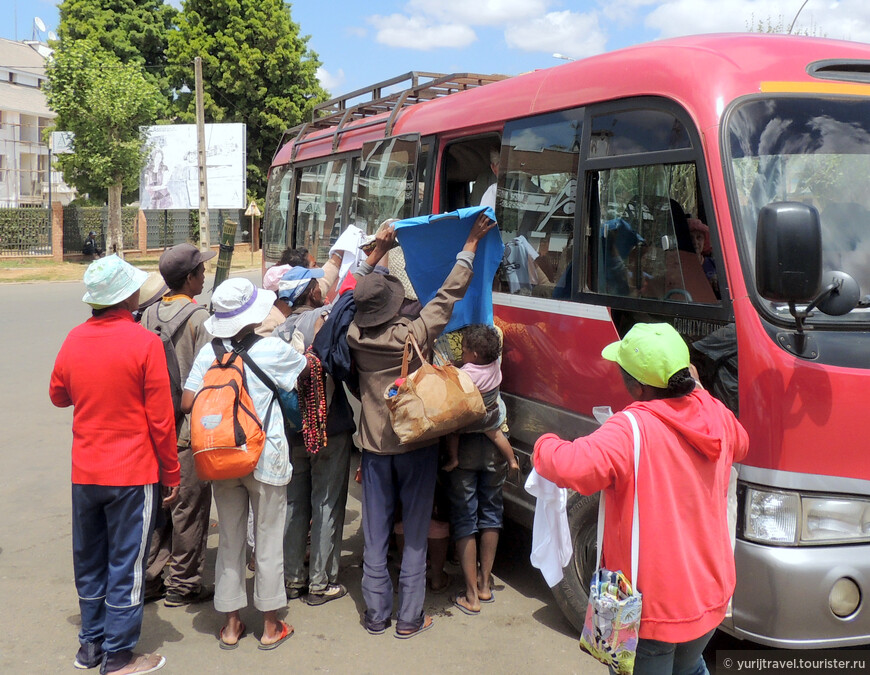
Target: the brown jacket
(377, 353)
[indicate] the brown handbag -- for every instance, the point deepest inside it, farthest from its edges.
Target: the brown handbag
(432, 401)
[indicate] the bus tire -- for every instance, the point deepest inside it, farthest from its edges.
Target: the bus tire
(572, 592)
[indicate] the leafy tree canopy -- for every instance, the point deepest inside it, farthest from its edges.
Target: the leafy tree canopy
(134, 30)
(103, 102)
(257, 69)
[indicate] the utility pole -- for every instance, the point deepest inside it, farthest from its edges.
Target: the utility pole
(201, 157)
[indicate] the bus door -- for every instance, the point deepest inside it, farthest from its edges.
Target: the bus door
(388, 186)
(536, 200)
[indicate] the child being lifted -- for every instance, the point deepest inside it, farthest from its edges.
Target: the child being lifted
(480, 360)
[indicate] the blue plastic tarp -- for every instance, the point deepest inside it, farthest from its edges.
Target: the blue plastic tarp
(430, 245)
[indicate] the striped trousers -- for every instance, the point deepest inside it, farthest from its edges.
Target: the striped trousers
(112, 529)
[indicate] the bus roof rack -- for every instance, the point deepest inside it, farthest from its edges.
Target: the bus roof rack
(338, 112)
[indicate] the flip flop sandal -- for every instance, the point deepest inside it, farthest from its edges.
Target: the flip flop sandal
(230, 645)
(462, 608)
(424, 627)
(488, 600)
(286, 633)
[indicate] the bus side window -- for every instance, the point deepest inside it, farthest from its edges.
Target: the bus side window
(319, 197)
(645, 246)
(467, 173)
(535, 204)
(387, 184)
(275, 219)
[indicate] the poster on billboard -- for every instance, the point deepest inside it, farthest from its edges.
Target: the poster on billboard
(170, 179)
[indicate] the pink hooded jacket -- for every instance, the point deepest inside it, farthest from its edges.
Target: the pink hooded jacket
(686, 566)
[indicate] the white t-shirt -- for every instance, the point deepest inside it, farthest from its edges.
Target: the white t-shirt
(488, 198)
(282, 363)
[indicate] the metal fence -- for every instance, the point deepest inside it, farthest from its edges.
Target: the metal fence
(25, 231)
(170, 226)
(79, 220)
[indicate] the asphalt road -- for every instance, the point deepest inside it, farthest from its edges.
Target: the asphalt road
(522, 632)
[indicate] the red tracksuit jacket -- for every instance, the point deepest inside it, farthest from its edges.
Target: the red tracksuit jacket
(686, 565)
(113, 372)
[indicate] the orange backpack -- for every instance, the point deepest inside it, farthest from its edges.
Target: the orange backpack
(226, 434)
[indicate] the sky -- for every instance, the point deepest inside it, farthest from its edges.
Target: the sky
(361, 43)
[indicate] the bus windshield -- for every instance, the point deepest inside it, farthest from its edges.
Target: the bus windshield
(810, 150)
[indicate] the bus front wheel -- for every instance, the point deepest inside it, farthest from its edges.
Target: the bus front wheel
(572, 593)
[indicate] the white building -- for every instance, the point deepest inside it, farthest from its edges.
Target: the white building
(24, 115)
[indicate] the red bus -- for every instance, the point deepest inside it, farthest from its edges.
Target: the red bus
(718, 183)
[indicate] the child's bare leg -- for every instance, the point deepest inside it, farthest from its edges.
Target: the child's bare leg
(504, 447)
(452, 452)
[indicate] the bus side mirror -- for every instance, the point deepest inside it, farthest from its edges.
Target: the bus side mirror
(788, 252)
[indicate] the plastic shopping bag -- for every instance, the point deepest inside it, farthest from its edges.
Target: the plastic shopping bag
(612, 621)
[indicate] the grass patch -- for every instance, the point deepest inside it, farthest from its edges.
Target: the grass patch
(16, 270)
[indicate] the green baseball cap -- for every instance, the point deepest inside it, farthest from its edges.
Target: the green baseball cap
(650, 352)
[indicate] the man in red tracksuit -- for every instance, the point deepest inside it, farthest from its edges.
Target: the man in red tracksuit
(113, 372)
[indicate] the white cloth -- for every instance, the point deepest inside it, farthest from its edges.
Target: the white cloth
(347, 245)
(519, 259)
(488, 198)
(283, 364)
(551, 537)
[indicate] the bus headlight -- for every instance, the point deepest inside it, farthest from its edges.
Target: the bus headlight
(831, 520)
(771, 517)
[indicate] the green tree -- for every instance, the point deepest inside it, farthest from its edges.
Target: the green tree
(103, 102)
(133, 30)
(257, 69)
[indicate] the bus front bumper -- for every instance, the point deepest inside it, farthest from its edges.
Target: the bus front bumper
(783, 594)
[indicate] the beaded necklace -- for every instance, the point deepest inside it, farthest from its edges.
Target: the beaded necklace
(312, 404)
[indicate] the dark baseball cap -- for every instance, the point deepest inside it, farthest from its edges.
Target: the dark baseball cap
(179, 261)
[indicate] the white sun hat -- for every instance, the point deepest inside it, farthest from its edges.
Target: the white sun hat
(237, 303)
(111, 280)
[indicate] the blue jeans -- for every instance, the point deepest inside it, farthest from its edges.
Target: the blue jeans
(111, 533)
(410, 478)
(316, 495)
(668, 658)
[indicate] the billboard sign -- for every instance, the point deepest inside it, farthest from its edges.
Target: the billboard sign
(61, 142)
(170, 179)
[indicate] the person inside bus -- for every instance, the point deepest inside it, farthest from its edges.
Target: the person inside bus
(704, 250)
(619, 241)
(686, 280)
(392, 471)
(488, 198)
(688, 442)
